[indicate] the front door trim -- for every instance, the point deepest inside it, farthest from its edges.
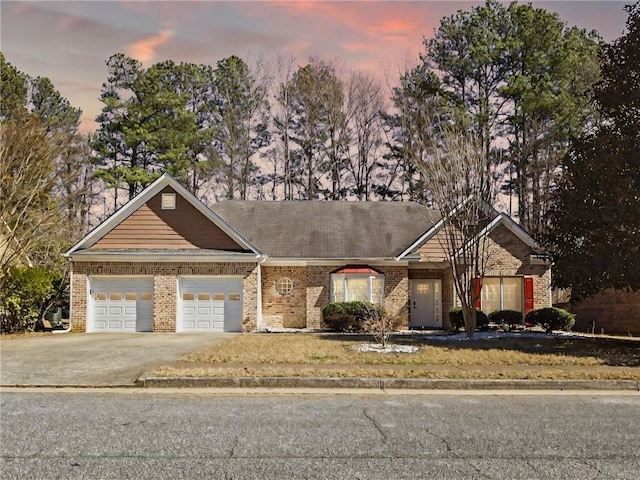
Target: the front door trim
(426, 306)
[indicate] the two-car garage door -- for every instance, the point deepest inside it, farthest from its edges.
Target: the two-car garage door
(209, 304)
(204, 304)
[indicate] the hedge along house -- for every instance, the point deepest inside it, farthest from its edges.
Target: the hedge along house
(165, 262)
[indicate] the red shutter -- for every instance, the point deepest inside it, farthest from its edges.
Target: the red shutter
(477, 290)
(528, 294)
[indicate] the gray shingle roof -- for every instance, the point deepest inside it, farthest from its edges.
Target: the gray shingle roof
(329, 230)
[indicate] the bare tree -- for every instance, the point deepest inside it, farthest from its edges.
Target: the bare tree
(462, 184)
(30, 219)
(365, 105)
(280, 154)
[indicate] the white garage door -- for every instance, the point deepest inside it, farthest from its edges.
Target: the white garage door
(210, 304)
(121, 304)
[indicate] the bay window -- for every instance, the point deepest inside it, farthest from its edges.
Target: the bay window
(348, 287)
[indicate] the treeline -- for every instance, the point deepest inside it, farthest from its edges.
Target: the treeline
(516, 76)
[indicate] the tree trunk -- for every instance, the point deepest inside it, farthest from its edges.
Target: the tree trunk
(469, 315)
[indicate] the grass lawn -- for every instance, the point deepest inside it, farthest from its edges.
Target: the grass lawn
(526, 356)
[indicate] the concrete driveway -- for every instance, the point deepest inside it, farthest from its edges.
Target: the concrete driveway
(98, 359)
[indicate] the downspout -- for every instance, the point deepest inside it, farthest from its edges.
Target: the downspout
(259, 294)
(68, 329)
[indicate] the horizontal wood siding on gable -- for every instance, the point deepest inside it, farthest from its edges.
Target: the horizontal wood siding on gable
(435, 249)
(151, 227)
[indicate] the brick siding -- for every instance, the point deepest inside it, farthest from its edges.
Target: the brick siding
(284, 311)
(165, 283)
(613, 311)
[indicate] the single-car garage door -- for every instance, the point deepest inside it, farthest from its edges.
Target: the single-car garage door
(210, 304)
(121, 304)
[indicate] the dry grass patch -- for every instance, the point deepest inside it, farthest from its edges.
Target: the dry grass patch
(319, 349)
(350, 371)
(14, 336)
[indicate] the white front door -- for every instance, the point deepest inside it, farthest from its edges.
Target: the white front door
(426, 304)
(210, 304)
(120, 304)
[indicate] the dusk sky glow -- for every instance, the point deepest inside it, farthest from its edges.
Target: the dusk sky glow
(69, 41)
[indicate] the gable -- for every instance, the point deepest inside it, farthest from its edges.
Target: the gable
(151, 227)
(507, 250)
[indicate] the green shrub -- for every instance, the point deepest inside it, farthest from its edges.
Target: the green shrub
(457, 319)
(551, 318)
(26, 295)
(508, 317)
(351, 316)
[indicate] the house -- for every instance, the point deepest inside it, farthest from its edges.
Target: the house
(165, 262)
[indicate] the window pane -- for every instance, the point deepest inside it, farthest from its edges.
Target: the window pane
(512, 293)
(234, 297)
(130, 296)
(337, 288)
(357, 289)
(188, 296)
(218, 296)
(203, 296)
(377, 289)
(115, 296)
(490, 294)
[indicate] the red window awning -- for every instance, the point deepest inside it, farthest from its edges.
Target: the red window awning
(357, 270)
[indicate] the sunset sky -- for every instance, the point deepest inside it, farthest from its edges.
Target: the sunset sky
(69, 41)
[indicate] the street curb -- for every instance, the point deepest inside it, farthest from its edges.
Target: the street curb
(384, 383)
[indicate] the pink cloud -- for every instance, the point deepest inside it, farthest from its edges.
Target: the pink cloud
(145, 50)
(356, 47)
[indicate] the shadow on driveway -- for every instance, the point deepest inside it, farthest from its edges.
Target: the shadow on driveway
(94, 360)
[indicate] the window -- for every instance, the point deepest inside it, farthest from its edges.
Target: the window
(284, 285)
(234, 297)
(352, 287)
(168, 201)
(501, 293)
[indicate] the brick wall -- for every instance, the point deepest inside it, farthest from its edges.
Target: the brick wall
(79, 294)
(288, 311)
(165, 287)
(318, 291)
(396, 294)
(613, 311)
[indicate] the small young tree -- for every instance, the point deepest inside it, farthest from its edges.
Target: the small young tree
(380, 324)
(461, 181)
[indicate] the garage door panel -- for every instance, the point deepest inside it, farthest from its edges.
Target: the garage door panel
(206, 305)
(121, 304)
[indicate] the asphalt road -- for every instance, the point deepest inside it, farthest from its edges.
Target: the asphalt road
(93, 359)
(141, 434)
